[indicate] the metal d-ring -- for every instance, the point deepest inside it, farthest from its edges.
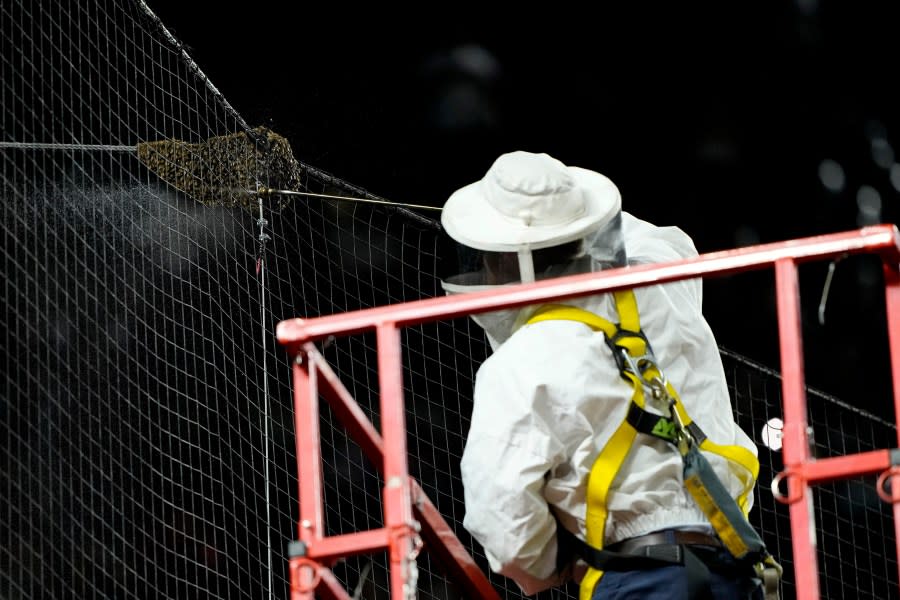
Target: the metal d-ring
(776, 491)
(882, 480)
(298, 563)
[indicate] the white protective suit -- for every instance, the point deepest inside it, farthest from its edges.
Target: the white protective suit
(549, 398)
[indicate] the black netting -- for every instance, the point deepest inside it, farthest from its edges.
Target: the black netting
(146, 405)
(854, 527)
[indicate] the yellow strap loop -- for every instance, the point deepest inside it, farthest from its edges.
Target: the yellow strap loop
(562, 312)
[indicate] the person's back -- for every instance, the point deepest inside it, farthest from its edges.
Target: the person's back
(549, 399)
(552, 399)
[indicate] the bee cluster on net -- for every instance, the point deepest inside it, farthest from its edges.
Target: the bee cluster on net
(225, 170)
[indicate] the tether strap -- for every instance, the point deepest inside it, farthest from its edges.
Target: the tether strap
(705, 486)
(729, 521)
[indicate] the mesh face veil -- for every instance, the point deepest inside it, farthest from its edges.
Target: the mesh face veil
(531, 218)
(483, 269)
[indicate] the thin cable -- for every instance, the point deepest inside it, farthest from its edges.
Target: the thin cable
(260, 267)
(827, 288)
(269, 191)
(59, 146)
(364, 574)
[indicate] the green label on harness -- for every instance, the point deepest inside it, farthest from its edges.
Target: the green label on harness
(664, 429)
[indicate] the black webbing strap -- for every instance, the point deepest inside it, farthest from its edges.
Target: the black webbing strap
(647, 557)
(659, 426)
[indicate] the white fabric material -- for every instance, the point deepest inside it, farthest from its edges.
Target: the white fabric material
(529, 201)
(550, 397)
(499, 325)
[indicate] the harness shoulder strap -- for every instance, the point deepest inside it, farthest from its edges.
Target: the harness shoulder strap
(607, 464)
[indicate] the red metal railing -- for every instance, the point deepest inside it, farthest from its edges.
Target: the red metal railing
(408, 514)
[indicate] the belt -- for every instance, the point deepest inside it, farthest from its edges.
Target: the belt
(666, 537)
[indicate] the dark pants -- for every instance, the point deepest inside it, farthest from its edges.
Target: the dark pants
(725, 582)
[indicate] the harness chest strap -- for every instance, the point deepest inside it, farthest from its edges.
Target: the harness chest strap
(627, 336)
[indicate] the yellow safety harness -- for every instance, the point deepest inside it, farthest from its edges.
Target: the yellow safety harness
(637, 365)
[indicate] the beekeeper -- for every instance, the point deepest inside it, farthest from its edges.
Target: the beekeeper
(575, 463)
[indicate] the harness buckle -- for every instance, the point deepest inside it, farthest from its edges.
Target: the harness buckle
(683, 438)
(657, 386)
(659, 389)
(637, 366)
(627, 363)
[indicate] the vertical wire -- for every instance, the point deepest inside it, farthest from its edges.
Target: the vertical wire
(261, 271)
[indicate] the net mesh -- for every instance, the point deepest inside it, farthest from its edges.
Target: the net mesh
(147, 408)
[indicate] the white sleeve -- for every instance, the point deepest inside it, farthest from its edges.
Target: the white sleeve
(508, 453)
(649, 243)
(646, 242)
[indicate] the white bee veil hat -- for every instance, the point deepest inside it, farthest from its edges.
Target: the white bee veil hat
(529, 201)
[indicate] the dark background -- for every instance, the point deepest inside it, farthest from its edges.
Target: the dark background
(755, 123)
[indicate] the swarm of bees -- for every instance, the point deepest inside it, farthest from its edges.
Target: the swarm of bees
(225, 170)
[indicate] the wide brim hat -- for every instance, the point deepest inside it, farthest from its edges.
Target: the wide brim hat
(528, 200)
